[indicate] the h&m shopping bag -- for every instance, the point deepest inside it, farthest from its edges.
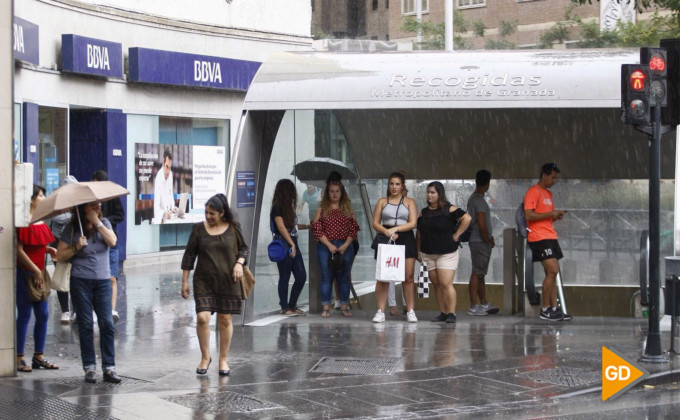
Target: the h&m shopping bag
(390, 263)
(423, 281)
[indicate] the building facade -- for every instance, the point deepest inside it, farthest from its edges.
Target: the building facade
(527, 20)
(96, 80)
(338, 18)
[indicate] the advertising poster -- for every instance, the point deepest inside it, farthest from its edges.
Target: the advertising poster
(173, 182)
(245, 189)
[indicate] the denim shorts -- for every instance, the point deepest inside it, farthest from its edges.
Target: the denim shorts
(113, 261)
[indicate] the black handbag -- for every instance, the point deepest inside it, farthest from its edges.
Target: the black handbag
(336, 262)
(379, 239)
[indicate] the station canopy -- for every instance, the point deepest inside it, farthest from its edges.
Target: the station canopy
(444, 115)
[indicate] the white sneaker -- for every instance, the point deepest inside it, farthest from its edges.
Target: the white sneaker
(338, 305)
(66, 317)
(73, 318)
(116, 317)
(477, 310)
(379, 317)
(411, 316)
(489, 308)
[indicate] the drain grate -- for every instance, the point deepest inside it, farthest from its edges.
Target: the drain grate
(357, 365)
(584, 356)
(566, 376)
(79, 381)
(20, 403)
(221, 403)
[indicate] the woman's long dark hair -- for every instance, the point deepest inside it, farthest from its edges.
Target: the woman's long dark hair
(285, 196)
(76, 222)
(400, 176)
(36, 191)
(443, 203)
(219, 203)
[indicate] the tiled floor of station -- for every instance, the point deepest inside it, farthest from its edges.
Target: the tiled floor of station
(309, 367)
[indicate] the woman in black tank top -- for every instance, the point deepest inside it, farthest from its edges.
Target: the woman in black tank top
(440, 225)
(399, 227)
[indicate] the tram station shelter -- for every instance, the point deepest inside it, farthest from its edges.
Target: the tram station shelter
(443, 116)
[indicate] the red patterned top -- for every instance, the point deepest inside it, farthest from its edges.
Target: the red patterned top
(35, 238)
(335, 225)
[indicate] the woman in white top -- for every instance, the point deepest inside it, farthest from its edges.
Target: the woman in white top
(395, 216)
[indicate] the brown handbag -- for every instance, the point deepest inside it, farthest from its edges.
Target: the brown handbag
(38, 294)
(248, 281)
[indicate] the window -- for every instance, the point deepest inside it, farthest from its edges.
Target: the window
(471, 3)
(408, 7)
(374, 5)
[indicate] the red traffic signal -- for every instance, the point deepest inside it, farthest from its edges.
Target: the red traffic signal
(637, 80)
(657, 64)
(635, 94)
(656, 59)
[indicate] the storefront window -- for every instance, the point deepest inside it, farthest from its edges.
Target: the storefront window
(52, 135)
(170, 131)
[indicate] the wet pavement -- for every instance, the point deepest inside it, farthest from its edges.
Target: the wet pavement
(308, 367)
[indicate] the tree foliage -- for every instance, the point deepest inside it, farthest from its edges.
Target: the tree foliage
(433, 33)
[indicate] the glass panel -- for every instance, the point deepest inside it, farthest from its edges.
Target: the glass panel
(190, 131)
(280, 166)
(52, 146)
(140, 129)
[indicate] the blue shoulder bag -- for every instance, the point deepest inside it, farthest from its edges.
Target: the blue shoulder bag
(278, 249)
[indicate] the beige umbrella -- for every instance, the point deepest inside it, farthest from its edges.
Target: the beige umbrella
(65, 198)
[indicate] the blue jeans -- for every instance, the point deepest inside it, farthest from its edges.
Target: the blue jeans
(327, 275)
(24, 307)
(286, 267)
(86, 295)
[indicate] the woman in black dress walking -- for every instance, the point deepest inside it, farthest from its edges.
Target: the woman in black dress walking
(221, 251)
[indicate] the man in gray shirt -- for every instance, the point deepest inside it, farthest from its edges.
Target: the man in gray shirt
(481, 243)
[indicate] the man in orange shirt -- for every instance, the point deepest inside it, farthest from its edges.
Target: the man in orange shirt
(540, 214)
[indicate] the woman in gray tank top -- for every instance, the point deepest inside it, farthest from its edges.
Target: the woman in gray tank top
(395, 216)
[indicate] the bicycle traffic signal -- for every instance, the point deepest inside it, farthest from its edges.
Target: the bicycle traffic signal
(656, 59)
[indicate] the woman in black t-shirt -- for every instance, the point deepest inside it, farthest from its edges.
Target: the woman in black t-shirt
(440, 224)
(285, 226)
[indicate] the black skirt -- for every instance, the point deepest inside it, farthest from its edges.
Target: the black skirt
(408, 239)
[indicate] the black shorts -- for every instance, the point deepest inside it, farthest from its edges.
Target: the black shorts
(408, 239)
(545, 250)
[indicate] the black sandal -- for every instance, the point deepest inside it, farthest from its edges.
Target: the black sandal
(42, 363)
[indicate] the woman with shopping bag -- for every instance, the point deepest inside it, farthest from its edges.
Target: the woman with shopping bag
(440, 224)
(335, 228)
(394, 219)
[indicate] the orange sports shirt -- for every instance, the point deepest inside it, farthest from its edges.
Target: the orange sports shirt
(540, 200)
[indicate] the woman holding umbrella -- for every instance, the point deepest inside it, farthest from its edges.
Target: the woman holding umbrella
(85, 242)
(32, 244)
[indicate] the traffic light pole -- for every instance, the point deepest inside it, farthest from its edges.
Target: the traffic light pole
(653, 352)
